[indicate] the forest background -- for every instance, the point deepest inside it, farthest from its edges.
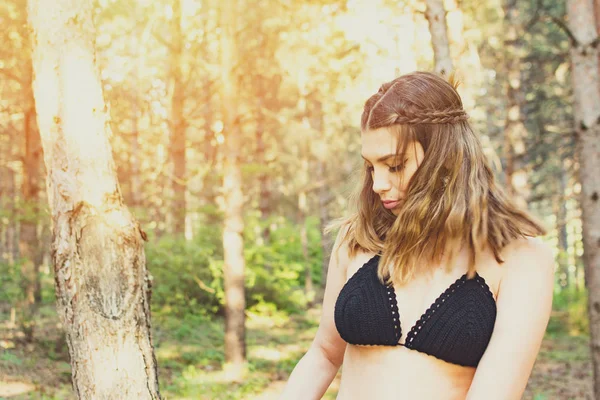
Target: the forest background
(280, 84)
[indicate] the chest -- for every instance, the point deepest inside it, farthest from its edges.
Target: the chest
(415, 302)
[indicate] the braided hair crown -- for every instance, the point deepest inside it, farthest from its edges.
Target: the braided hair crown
(414, 99)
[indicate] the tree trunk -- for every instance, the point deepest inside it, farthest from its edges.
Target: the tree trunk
(97, 248)
(514, 127)
(324, 218)
(210, 180)
(324, 196)
(436, 16)
(8, 198)
(584, 58)
(178, 123)
(28, 238)
(264, 202)
(597, 20)
(561, 228)
(233, 242)
(466, 55)
(302, 216)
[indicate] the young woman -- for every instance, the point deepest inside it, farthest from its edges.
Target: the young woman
(437, 286)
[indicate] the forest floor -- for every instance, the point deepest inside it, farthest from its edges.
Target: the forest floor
(189, 351)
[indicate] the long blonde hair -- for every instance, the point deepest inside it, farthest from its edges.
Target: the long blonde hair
(452, 198)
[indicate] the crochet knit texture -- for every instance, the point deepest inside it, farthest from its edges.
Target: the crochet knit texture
(456, 328)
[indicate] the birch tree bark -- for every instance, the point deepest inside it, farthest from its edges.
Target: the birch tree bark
(584, 60)
(97, 249)
(436, 16)
(597, 20)
(233, 241)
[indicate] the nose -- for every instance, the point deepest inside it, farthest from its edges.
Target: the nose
(381, 182)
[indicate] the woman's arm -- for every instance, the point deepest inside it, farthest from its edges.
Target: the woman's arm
(523, 310)
(311, 376)
(314, 372)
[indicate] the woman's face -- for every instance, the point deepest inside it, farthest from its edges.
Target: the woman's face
(390, 180)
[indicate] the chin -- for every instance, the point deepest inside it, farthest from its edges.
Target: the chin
(396, 210)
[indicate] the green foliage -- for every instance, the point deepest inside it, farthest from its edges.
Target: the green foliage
(276, 270)
(10, 282)
(570, 314)
(10, 358)
(185, 274)
(188, 275)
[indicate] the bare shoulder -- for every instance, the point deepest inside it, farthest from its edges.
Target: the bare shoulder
(528, 257)
(340, 250)
(529, 249)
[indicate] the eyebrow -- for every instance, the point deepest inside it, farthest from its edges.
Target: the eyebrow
(380, 159)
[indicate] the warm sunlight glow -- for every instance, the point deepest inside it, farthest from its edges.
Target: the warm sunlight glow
(168, 11)
(217, 127)
(227, 136)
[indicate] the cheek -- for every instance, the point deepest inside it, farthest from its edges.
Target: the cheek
(406, 174)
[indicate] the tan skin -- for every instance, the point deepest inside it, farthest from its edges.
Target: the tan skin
(522, 287)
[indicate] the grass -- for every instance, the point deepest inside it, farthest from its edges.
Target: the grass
(190, 356)
(274, 346)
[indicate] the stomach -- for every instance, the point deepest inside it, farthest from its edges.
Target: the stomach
(398, 373)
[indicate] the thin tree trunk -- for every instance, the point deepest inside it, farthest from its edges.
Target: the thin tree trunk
(561, 228)
(597, 20)
(514, 127)
(210, 180)
(436, 16)
(28, 238)
(584, 58)
(264, 202)
(8, 198)
(302, 216)
(323, 193)
(324, 198)
(466, 55)
(178, 123)
(233, 242)
(6, 180)
(97, 249)
(324, 218)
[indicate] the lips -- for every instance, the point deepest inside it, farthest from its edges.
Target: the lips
(390, 203)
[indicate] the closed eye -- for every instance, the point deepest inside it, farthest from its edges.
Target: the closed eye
(392, 168)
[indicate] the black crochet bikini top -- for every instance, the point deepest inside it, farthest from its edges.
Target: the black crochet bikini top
(456, 328)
